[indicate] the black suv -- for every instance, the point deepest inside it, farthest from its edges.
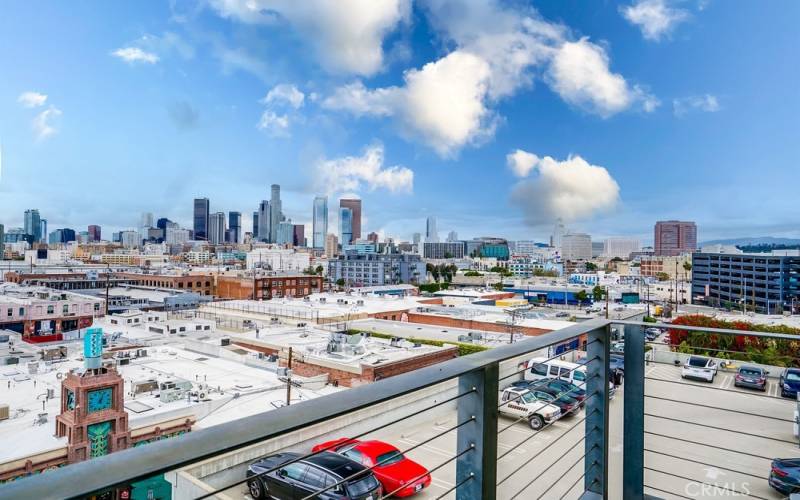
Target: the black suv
(300, 479)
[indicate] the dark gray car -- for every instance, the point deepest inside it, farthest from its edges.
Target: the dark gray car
(752, 377)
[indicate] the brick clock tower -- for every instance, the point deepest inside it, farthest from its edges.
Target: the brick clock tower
(93, 416)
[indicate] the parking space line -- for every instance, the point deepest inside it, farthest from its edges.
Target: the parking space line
(428, 447)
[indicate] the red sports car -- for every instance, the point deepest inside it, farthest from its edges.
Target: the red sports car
(389, 465)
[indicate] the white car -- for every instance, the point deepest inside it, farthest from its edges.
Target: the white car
(699, 367)
(522, 403)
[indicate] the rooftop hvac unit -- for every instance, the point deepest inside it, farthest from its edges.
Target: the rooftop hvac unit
(4, 411)
(359, 302)
(395, 341)
(323, 299)
(464, 338)
(339, 301)
(272, 358)
(476, 335)
(306, 299)
(124, 361)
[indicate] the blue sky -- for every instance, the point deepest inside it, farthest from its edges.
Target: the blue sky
(497, 117)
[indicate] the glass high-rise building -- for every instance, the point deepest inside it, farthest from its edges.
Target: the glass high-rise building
(216, 228)
(33, 224)
(255, 225)
(431, 232)
(201, 214)
(234, 226)
(276, 214)
(355, 210)
(95, 233)
(320, 221)
(264, 221)
(345, 226)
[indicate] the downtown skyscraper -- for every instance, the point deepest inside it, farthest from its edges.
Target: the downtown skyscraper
(201, 215)
(320, 222)
(276, 213)
(354, 205)
(33, 224)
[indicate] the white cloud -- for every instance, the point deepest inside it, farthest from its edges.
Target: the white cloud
(347, 35)
(443, 103)
(521, 162)
(43, 123)
(354, 173)
(274, 124)
(571, 189)
(285, 93)
(580, 74)
(32, 99)
(707, 103)
(450, 102)
(132, 55)
(655, 18)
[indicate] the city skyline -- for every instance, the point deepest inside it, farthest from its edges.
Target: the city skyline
(655, 130)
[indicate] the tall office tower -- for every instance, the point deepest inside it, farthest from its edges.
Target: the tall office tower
(674, 237)
(2, 242)
(299, 238)
(276, 214)
(576, 246)
(331, 245)
(130, 239)
(145, 223)
(201, 213)
(216, 228)
(431, 233)
(255, 225)
(346, 226)
(285, 233)
(33, 224)
(235, 226)
(373, 237)
(163, 223)
(319, 224)
(558, 233)
(355, 209)
(43, 230)
(452, 237)
(416, 238)
(95, 233)
(264, 221)
(620, 247)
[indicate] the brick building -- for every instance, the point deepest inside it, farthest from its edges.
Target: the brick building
(267, 287)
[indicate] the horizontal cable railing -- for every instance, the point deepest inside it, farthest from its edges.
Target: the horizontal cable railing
(127, 466)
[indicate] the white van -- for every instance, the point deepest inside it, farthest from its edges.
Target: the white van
(540, 368)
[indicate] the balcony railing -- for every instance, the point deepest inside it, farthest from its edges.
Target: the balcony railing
(681, 439)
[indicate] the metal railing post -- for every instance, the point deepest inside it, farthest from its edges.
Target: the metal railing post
(596, 432)
(633, 419)
(481, 464)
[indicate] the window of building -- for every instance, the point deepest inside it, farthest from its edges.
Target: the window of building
(50, 309)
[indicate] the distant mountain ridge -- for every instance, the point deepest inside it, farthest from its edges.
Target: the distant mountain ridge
(762, 240)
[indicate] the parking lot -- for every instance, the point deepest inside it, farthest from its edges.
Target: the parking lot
(741, 420)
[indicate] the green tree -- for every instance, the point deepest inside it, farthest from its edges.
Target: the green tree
(340, 282)
(687, 266)
(582, 296)
(662, 276)
(598, 293)
(591, 266)
(319, 270)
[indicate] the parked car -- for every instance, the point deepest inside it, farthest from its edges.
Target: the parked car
(519, 402)
(562, 386)
(562, 314)
(618, 347)
(652, 333)
(699, 367)
(566, 403)
(751, 376)
(542, 368)
(297, 480)
(394, 471)
(790, 382)
(784, 475)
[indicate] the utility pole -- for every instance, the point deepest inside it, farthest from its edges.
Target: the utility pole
(289, 379)
(606, 301)
(108, 273)
(676, 287)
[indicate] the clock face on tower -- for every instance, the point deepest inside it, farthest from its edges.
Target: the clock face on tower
(99, 399)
